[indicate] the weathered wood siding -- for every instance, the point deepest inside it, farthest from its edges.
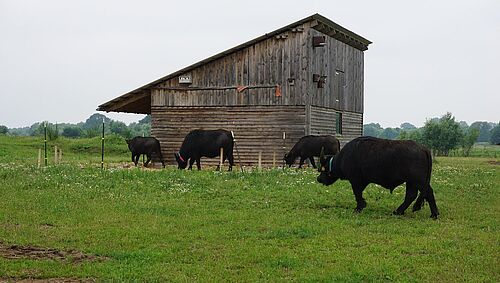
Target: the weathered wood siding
(342, 67)
(323, 121)
(258, 128)
(267, 63)
(273, 62)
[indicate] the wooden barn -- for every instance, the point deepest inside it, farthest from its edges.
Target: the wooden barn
(305, 78)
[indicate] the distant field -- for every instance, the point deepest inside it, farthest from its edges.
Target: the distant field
(75, 221)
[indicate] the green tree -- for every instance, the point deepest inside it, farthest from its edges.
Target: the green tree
(484, 130)
(495, 134)
(390, 133)
(145, 120)
(442, 135)
(119, 128)
(4, 130)
(407, 126)
(468, 140)
(95, 120)
(72, 132)
(372, 129)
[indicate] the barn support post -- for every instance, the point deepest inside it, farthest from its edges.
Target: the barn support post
(45, 140)
(221, 158)
(274, 159)
(284, 149)
(259, 162)
(102, 145)
(142, 154)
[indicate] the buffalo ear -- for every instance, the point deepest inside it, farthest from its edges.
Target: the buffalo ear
(322, 159)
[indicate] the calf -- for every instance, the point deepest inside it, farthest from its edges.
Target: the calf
(205, 143)
(145, 145)
(310, 146)
(387, 163)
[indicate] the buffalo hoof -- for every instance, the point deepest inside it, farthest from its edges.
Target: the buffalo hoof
(434, 216)
(358, 209)
(395, 212)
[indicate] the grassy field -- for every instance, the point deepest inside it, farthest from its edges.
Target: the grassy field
(77, 221)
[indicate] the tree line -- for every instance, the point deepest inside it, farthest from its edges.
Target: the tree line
(92, 127)
(440, 134)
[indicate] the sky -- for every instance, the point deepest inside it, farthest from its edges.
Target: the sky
(60, 59)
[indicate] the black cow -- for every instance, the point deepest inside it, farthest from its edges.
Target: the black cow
(387, 163)
(310, 146)
(205, 143)
(144, 145)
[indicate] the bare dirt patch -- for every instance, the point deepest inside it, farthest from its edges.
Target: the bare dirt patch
(493, 162)
(39, 253)
(49, 280)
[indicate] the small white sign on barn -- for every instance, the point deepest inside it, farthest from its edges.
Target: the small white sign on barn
(185, 79)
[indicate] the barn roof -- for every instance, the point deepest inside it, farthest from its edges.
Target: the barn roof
(139, 100)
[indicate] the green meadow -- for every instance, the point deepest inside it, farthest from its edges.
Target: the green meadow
(75, 221)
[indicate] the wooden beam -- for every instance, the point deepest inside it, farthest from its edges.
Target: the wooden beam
(213, 88)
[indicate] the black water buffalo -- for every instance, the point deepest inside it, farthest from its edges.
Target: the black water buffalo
(387, 163)
(144, 145)
(205, 143)
(310, 146)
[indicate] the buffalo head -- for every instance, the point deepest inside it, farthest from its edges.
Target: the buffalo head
(289, 159)
(327, 174)
(181, 162)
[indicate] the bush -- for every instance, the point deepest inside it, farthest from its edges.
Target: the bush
(72, 132)
(442, 135)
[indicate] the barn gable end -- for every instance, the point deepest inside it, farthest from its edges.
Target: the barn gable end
(295, 80)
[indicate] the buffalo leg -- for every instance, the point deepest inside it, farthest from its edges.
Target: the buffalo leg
(411, 195)
(198, 163)
(313, 164)
(358, 189)
(432, 202)
(147, 160)
(230, 158)
(191, 162)
(301, 161)
(136, 159)
(419, 202)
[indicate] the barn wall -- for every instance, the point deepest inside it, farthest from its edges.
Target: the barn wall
(342, 66)
(323, 121)
(256, 128)
(268, 63)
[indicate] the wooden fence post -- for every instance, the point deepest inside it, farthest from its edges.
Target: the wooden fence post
(39, 157)
(60, 155)
(55, 154)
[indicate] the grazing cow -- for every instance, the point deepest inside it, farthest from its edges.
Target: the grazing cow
(205, 143)
(387, 163)
(310, 146)
(144, 145)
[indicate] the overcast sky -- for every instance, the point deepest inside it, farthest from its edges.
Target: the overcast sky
(60, 59)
